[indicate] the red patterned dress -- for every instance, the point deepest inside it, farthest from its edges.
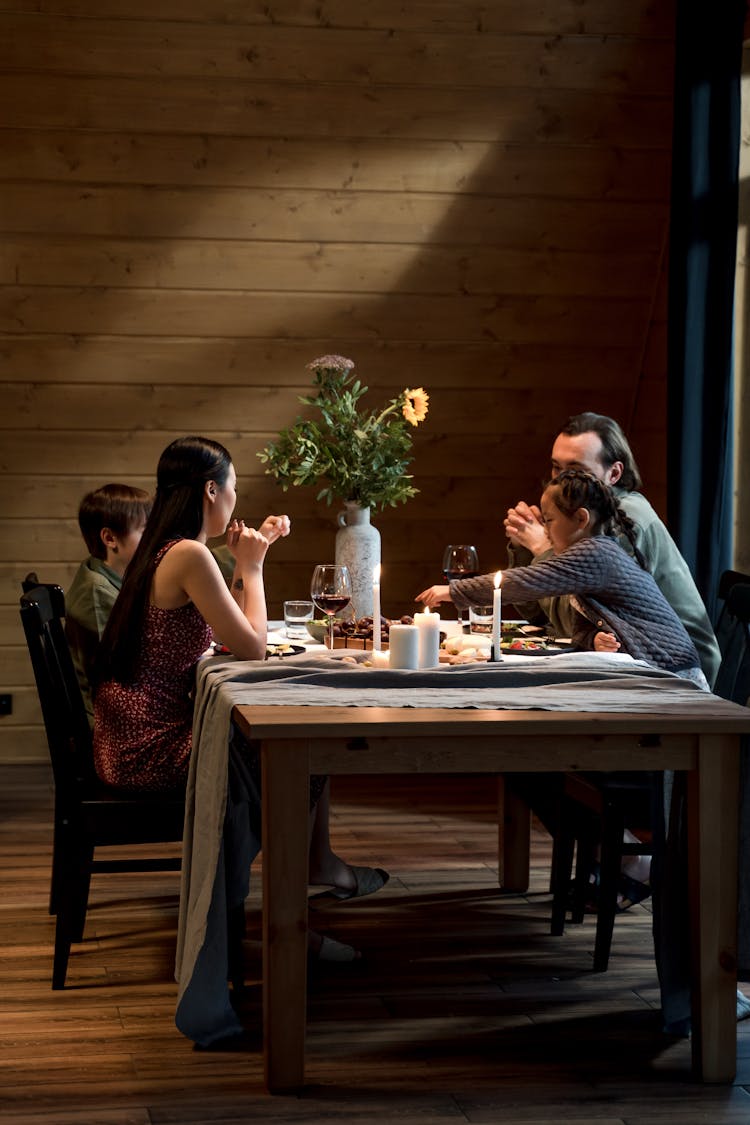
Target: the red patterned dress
(143, 730)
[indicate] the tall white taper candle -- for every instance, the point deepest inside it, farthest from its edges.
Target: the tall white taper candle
(497, 617)
(376, 609)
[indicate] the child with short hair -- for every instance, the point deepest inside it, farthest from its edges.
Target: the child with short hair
(111, 519)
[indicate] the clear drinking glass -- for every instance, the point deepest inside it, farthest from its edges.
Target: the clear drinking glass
(296, 616)
(480, 619)
(331, 590)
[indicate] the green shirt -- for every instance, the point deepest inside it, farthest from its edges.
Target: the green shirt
(88, 604)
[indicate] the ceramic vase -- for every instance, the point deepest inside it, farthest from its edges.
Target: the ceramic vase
(358, 547)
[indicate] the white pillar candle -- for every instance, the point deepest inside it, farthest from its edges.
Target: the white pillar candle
(403, 644)
(497, 617)
(428, 625)
(376, 609)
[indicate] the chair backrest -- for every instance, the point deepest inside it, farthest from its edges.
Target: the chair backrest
(65, 721)
(57, 597)
(733, 634)
(729, 579)
(30, 581)
(725, 626)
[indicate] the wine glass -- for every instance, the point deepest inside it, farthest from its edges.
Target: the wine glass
(331, 590)
(460, 561)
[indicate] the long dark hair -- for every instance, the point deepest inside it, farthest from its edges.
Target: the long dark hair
(184, 468)
(576, 489)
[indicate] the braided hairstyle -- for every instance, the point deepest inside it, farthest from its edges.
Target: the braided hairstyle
(575, 488)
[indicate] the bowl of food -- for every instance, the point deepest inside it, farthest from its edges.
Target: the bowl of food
(318, 629)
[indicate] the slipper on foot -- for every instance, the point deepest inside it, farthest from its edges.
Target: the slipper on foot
(368, 880)
(334, 951)
(631, 892)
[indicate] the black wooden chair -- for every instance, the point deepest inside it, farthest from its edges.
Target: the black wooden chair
(594, 814)
(733, 635)
(88, 814)
(57, 597)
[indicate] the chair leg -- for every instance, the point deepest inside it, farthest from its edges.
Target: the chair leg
(613, 828)
(585, 857)
(54, 886)
(562, 866)
(73, 879)
(62, 951)
(66, 921)
(83, 858)
(236, 929)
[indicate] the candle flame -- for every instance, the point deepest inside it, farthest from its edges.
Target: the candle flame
(498, 578)
(427, 609)
(376, 573)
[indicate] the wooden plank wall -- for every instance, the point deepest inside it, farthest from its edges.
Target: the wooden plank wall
(198, 197)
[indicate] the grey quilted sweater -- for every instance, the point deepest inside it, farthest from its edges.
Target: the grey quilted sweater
(668, 567)
(610, 592)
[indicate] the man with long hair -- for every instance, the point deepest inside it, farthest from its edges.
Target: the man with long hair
(597, 444)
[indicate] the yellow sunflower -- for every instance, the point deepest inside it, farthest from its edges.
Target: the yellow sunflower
(415, 405)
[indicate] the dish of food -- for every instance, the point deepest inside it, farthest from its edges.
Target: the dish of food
(318, 630)
(355, 630)
(463, 649)
(284, 650)
(271, 650)
(526, 646)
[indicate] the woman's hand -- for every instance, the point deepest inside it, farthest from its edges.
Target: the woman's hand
(434, 596)
(233, 534)
(275, 527)
(246, 544)
(606, 642)
(524, 527)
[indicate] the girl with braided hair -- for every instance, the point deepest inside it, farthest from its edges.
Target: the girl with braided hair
(618, 604)
(579, 489)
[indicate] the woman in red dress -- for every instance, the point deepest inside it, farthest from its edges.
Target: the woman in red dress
(173, 600)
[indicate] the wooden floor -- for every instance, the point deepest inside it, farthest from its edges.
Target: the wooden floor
(463, 1009)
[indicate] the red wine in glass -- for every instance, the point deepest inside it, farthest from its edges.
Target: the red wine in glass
(331, 590)
(460, 560)
(450, 575)
(331, 603)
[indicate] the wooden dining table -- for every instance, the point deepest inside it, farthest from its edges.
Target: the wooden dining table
(297, 740)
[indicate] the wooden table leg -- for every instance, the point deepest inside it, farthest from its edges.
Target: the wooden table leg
(514, 831)
(286, 788)
(713, 841)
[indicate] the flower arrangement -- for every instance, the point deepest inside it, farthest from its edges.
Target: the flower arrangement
(356, 455)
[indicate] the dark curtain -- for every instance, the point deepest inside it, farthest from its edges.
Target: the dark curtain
(703, 238)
